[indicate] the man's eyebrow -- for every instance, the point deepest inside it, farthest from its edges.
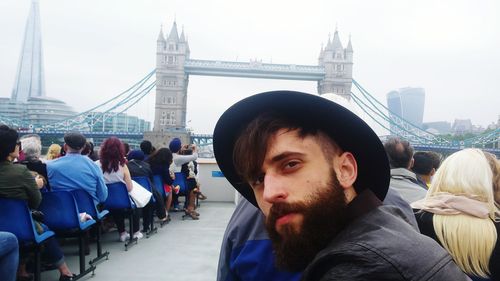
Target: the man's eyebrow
(284, 155)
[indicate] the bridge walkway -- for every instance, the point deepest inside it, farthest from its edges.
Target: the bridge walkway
(182, 250)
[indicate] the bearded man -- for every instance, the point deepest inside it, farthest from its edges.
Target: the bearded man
(319, 173)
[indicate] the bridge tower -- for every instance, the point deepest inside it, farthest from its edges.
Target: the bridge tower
(171, 81)
(337, 62)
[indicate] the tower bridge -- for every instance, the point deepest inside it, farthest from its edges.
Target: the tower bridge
(333, 74)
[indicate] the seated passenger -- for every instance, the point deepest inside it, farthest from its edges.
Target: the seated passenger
(159, 163)
(32, 148)
(190, 171)
(88, 151)
(179, 160)
(425, 166)
(404, 181)
(138, 168)
(76, 171)
(147, 148)
(9, 256)
(459, 212)
(112, 162)
(53, 152)
(17, 182)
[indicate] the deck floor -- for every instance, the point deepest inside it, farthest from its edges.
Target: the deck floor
(181, 250)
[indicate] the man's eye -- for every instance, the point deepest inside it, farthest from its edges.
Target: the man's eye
(259, 180)
(291, 164)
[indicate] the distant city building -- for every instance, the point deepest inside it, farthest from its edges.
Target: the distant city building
(438, 127)
(494, 125)
(36, 110)
(120, 122)
(407, 103)
(462, 126)
(29, 105)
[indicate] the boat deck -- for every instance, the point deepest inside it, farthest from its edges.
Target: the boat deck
(181, 250)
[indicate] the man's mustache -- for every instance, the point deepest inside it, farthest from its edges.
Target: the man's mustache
(280, 209)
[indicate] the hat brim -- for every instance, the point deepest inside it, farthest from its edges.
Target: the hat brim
(348, 130)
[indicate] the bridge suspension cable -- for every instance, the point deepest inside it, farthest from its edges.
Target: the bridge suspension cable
(400, 127)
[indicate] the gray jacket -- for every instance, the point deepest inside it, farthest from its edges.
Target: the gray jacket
(379, 246)
(405, 183)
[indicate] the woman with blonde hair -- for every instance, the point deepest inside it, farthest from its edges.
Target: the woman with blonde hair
(459, 212)
(54, 152)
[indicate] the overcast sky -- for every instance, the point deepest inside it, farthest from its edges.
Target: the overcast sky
(94, 49)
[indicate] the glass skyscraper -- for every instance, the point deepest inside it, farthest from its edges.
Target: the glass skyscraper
(407, 103)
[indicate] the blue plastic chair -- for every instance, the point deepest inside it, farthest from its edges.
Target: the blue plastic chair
(180, 180)
(158, 184)
(63, 217)
(15, 217)
(118, 199)
(146, 183)
(86, 204)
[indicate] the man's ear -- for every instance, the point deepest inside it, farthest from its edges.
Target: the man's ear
(433, 171)
(346, 169)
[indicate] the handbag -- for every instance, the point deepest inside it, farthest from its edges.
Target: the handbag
(140, 195)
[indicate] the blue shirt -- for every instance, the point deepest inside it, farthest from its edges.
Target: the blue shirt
(75, 171)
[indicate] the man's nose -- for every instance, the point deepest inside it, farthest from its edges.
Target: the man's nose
(274, 188)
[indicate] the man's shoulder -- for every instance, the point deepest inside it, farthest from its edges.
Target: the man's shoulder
(381, 242)
(16, 169)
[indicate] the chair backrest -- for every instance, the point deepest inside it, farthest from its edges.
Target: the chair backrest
(158, 184)
(15, 217)
(180, 180)
(118, 197)
(144, 181)
(61, 211)
(85, 202)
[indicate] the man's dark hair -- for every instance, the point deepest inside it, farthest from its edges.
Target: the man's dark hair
(8, 140)
(146, 147)
(436, 159)
(422, 164)
(251, 146)
(127, 148)
(399, 152)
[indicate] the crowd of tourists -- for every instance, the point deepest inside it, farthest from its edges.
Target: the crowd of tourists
(27, 175)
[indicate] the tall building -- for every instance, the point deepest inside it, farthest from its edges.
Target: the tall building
(29, 106)
(30, 80)
(407, 103)
(171, 81)
(337, 62)
(119, 122)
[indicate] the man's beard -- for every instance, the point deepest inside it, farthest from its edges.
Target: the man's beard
(323, 217)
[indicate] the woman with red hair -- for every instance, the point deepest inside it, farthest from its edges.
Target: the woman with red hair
(113, 164)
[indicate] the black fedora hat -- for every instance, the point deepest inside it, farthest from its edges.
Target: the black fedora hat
(348, 130)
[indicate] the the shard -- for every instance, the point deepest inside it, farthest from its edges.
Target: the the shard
(30, 80)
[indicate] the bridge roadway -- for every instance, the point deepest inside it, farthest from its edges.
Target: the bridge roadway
(182, 250)
(254, 69)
